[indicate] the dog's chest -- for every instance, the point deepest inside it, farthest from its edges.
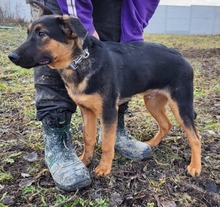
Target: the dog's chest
(73, 84)
(93, 102)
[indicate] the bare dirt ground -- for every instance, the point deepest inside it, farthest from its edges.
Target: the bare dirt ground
(160, 181)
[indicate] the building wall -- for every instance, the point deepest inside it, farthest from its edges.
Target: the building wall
(189, 20)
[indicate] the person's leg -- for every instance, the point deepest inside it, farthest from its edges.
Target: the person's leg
(54, 110)
(106, 16)
(126, 145)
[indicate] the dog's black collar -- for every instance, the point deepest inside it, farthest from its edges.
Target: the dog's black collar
(75, 64)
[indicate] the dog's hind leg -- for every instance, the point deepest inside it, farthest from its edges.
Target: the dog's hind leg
(89, 134)
(184, 113)
(156, 106)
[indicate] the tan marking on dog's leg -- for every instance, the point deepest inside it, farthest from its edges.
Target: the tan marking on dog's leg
(89, 134)
(156, 107)
(108, 145)
(194, 168)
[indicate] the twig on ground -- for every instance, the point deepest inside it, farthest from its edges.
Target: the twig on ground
(213, 196)
(72, 198)
(156, 197)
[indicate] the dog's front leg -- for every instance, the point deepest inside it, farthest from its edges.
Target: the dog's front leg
(89, 134)
(109, 125)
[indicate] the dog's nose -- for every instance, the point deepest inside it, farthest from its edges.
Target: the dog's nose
(14, 57)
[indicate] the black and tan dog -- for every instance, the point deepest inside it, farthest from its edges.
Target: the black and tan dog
(99, 76)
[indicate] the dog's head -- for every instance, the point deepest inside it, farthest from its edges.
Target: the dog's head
(52, 40)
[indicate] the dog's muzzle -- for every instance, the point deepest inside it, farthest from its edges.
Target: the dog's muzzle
(14, 57)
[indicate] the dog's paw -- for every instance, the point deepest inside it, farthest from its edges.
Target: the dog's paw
(86, 160)
(102, 170)
(151, 143)
(194, 171)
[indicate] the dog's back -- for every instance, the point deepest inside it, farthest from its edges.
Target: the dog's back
(140, 66)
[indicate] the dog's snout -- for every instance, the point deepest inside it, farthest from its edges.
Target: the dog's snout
(14, 57)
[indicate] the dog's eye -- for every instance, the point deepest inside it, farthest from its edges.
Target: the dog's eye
(41, 34)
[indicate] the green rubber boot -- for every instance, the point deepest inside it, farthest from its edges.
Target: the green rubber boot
(67, 170)
(127, 146)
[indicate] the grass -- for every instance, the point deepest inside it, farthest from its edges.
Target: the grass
(21, 133)
(5, 177)
(183, 42)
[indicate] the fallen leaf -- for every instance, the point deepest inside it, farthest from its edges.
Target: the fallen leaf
(211, 186)
(211, 132)
(116, 199)
(8, 200)
(25, 175)
(26, 182)
(31, 157)
(168, 204)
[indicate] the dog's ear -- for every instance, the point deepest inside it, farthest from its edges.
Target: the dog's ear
(42, 9)
(72, 27)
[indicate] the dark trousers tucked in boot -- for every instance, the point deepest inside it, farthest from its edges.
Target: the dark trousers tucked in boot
(67, 170)
(126, 145)
(54, 109)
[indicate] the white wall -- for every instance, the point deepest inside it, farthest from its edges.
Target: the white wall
(202, 20)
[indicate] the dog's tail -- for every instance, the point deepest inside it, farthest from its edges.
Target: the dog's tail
(195, 115)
